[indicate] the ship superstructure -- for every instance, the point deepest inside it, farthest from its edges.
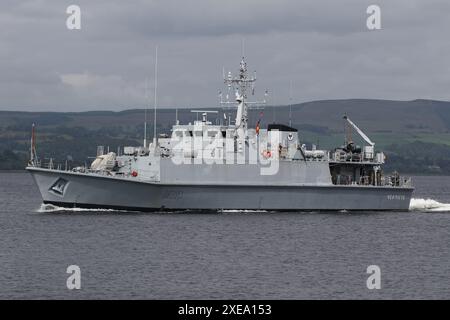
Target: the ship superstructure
(224, 165)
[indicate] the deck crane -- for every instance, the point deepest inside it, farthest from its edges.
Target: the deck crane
(360, 132)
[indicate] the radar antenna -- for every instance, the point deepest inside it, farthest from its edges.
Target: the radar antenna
(241, 85)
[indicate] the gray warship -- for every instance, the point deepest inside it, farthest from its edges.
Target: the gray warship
(226, 165)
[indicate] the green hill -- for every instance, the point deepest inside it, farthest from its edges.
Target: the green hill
(414, 134)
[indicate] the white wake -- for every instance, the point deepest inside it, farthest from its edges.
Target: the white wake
(48, 208)
(242, 211)
(420, 204)
(52, 208)
(428, 205)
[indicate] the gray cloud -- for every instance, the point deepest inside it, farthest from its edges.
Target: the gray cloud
(323, 47)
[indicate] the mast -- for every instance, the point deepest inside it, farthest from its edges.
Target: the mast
(33, 146)
(145, 112)
(290, 103)
(156, 88)
(241, 84)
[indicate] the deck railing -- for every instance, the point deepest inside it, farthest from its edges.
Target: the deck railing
(383, 181)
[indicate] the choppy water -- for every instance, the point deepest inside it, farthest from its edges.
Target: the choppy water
(232, 255)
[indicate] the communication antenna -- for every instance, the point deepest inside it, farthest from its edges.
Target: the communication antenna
(156, 88)
(33, 157)
(145, 112)
(290, 103)
(273, 105)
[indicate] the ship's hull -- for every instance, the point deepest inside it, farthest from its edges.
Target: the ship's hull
(69, 189)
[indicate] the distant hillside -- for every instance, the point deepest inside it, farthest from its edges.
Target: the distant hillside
(414, 134)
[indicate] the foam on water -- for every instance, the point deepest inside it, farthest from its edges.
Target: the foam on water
(52, 208)
(242, 211)
(47, 208)
(428, 205)
(419, 204)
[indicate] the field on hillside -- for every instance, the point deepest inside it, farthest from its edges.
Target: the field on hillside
(414, 134)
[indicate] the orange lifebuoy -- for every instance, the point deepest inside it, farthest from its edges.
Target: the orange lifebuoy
(134, 173)
(267, 154)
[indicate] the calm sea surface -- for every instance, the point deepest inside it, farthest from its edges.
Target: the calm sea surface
(227, 255)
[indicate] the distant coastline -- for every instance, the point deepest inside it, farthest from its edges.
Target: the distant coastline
(415, 135)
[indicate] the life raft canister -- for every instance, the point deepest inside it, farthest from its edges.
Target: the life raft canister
(134, 173)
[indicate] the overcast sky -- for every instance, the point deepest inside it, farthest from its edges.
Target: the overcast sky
(323, 47)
